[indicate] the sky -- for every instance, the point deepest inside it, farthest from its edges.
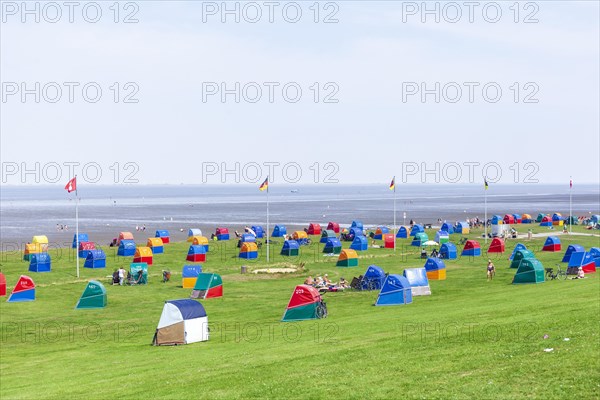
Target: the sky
(345, 92)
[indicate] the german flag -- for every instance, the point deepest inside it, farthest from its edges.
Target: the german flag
(393, 184)
(486, 184)
(265, 185)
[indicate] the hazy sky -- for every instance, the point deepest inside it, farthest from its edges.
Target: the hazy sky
(366, 72)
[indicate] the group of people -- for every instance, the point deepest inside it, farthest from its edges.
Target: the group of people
(140, 228)
(323, 282)
(61, 227)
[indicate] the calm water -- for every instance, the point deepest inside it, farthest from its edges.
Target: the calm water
(104, 211)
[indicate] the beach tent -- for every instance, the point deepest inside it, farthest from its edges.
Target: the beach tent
(552, 244)
(290, 248)
(193, 232)
(395, 291)
(83, 237)
(332, 246)
(208, 285)
(31, 248)
(196, 253)
(201, 241)
(222, 234)
(442, 237)
(517, 218)
(40, 262)
(417, 279)
(402, 233)
(530, 271)
(139, 272)
(314, 229)
(497, 246)
(416, 229)
(570, 250)
(156, 245)
(301, 237)
(85, 247)
(471, 248)
(260, 232)
(247, 238)
(447, 227)
(462, 227)
(334, 226)
(355, 232)
(181, 322)
(2, 285)
(42, 240)
(327, 234)
(373, 278)
(24, 290)
(521, 255)
(95, 259)
(540, 217)
(143, 255)
(189, 274)
(126, 248)
(497, 220)
(572, 220)
(279, 231)
(546, 221)
(357, 224)
(435, 268)
(584, 260)
(419, 239)
(360, 243)
(519, 246)
(389, 241)
(448, 251)
(347, 258)
(93, 296)
(163, 235)
(304, 304)
(595, 253)
(509, 219)
(380, 231)
(124, 236)
(557, 219)
(249, 250)
(526, 219)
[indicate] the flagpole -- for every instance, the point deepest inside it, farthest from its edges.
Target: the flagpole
(77, 228)
(571, 205)
(485, 216)
(394, 230)
(267, 219)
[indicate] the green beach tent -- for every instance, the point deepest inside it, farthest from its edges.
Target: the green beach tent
(521, 255)
(208, 285)
(305, 303)
(139, 273)
(530, 271)
(94, 296)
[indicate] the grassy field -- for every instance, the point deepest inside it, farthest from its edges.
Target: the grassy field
(469, 339)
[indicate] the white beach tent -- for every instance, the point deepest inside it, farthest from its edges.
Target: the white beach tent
(417, 278)
(181, 322)
(193, 232)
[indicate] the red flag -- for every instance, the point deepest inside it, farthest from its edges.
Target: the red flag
(71, 185)
(571, 184)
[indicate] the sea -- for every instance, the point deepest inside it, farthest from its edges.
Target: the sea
(104, 211)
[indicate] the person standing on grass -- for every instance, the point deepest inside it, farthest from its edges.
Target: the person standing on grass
(491, 270)
(121, 276)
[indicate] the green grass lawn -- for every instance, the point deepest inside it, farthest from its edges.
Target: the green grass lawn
(469, 339)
